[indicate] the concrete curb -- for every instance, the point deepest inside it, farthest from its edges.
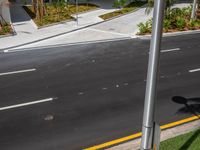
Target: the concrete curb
(8, 35)
(87, 26)
(115, 17)
(169, 34)
(53, 24)
(68, 44)
(165, 134)
(56, 35)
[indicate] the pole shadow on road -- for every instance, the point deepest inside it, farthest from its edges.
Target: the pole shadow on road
(190, 105)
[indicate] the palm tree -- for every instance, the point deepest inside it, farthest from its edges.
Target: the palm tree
(38, 8)
(34, 5)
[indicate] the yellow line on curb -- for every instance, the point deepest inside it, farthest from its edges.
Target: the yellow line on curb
(139, 134)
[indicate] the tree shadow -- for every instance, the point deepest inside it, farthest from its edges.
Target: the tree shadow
(190, 105)
(189, 142)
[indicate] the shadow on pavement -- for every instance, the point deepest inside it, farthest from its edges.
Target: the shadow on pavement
(190, 105)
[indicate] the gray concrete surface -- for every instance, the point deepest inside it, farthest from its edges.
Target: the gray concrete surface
(121, 27)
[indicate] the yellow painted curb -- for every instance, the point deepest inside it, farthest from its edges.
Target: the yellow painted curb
(137, 135)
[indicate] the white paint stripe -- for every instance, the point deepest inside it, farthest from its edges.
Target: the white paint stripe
(15, 72)
(170, 50)
(194, 70)
(26, 104)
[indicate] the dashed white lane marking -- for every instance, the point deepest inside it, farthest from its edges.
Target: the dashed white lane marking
(194, 70)
(26, 104)
(170, 50)
(49, 117)
(15, 72)
(126, 84)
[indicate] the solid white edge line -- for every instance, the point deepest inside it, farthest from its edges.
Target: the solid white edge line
(194, 70)
(26, 104)
(15, 72)
(169, 50)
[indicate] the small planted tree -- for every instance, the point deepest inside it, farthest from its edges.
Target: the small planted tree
(119, 3)
(39, 9)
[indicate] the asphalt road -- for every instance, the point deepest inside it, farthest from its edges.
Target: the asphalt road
(94, 92)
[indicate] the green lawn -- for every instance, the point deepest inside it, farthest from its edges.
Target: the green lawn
(189, 141)
(58, 14)
(130, 7)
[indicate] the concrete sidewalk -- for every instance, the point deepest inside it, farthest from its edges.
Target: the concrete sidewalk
(27, 31)
(91, 28)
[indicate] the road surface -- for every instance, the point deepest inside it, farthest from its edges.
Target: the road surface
(74, 97)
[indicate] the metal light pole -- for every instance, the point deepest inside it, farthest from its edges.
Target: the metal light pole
(194, 7)
(148, 128)
(77, 12)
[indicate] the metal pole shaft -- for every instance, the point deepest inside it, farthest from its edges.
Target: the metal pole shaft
(150, 95)
(194, 6)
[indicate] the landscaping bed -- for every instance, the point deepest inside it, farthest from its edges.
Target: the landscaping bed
(128, 8)
(57, 13)
(175, 20)
(188, 141)
(5, 29)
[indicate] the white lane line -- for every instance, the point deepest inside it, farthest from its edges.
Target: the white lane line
(26, 104)
(194, 70)
(15, 72)
(170, 50)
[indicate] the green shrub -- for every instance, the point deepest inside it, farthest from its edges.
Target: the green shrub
(186, 11)
(119, 3)
(145, 27)
(192, 24)
(5, 29)
(176, 19)
(180, 23)
(167, 24)
(175, 12)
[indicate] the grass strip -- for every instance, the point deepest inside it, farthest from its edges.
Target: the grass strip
(188, 141)
(128, 8)
(58, 13)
